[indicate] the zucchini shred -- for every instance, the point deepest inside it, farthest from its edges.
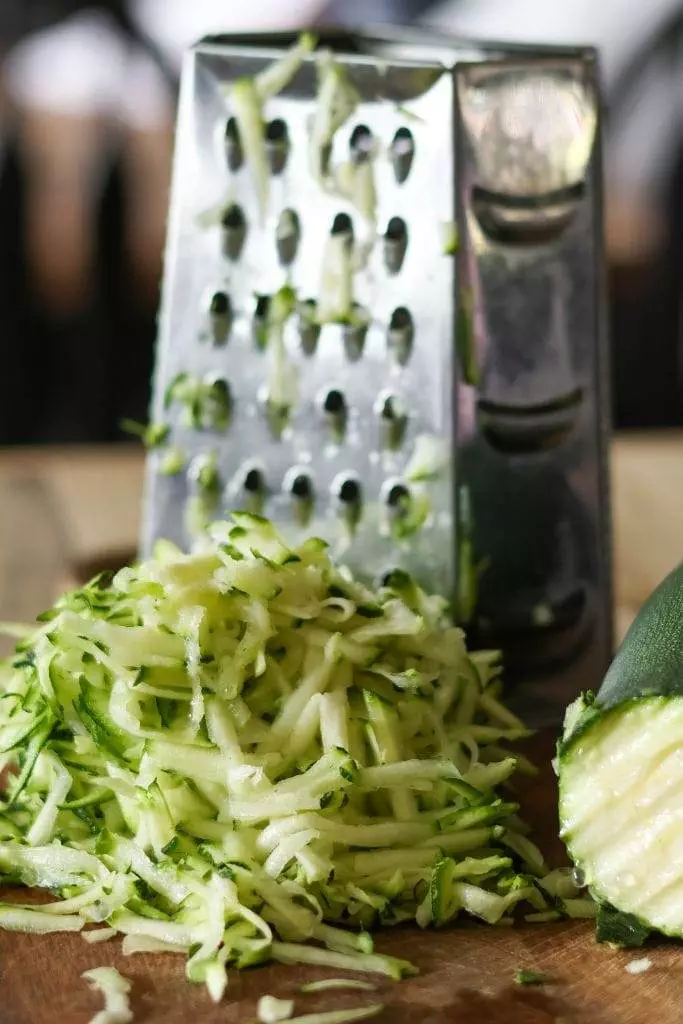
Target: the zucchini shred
(243, 754)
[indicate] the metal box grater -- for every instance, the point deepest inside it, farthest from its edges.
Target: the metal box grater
(455, 423)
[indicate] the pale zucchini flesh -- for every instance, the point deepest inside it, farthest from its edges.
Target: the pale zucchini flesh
(621, 808)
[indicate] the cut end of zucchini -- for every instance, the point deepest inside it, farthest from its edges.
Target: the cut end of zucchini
(621, 808)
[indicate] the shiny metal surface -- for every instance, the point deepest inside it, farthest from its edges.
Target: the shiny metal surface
(531, 430)
(497, 350)
(405, 352)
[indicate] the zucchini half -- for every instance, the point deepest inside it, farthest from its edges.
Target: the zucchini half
(620, 767)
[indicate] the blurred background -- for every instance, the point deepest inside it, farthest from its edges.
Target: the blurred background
(87, 97)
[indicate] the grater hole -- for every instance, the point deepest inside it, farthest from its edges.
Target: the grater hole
(253, 490)
(277, 144)
(399, 509)
(342, 225)
(233, 217)
(233, 145)
(361, 143)
(217, 403)
(287, 236)
(349, 495)
(393, 419)
(234, 226)
(302, 487)
(349, 492)
(204, 476)
(220, 317)
(336, 412)
(394, 579)
(308, 326)
(276, 131)
(397, 497)
(334, 403)
(400, 334)
(395, 244)
(259, 322)
(402, 152)
(254, 481)
(299, 485)
(220, 304)
(355, 333)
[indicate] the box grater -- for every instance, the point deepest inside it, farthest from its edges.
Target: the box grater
(391, 335)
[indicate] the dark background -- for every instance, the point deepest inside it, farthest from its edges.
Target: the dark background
(71, 376)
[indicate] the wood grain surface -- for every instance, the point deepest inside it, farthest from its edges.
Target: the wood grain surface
(466, 972)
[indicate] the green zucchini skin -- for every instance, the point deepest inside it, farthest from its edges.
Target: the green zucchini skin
(649, 662)
(650, 659)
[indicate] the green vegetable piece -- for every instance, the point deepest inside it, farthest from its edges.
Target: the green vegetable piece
(451, 241)
(172, 462)
(278, 75)
(271, 1010)
(248, 96)
(207, 403)
(467, 339)
(467, 575)
(624, 931)
(153, 435)
(337, 100)
(527, 977)
(332, 984)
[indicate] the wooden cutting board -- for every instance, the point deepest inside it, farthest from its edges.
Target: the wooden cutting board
(466, 972)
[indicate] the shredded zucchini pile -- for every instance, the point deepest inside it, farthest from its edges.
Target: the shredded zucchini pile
(242, 754)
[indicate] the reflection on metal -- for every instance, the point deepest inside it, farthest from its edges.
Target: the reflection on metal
(526, 220)
(521, 430)
(531, 129)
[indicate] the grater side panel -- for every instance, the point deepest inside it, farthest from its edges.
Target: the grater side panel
(532, 432)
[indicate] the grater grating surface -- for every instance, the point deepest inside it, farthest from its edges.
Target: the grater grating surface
(365, 396)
